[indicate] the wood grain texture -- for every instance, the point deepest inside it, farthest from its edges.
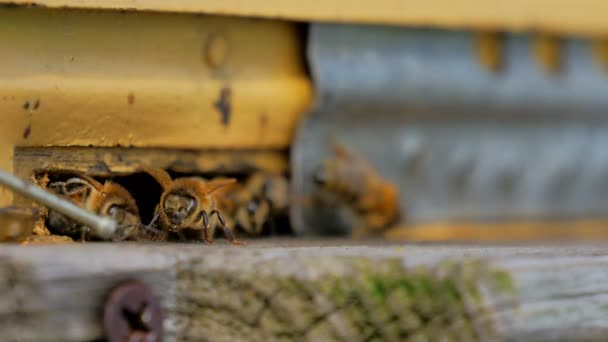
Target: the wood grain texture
(107, 161)
(116, 161)
(314, 291)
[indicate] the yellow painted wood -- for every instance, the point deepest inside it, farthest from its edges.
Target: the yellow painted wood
(563, 16)
(106, 78)
(566, 230)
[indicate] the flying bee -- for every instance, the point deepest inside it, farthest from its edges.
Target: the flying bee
(107, 199)
(348, 179)
(190, 203)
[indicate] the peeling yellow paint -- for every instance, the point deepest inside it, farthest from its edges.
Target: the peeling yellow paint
(505, 231)
(106, 78)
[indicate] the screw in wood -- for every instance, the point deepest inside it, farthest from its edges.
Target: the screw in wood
(132, 313)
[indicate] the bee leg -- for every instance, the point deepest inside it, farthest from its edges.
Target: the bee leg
(164, 235)
(227, 232)
(207, 231)
(150, 226)
(153, 230)
(207, 236)
(160, 235)
(154, 219)
(182, 237)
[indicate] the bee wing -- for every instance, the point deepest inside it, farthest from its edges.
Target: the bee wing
(217, 183)
(161, 176)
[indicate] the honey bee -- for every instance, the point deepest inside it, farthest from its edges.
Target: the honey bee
(242, 208)
(107, 199)
(251, 205)
(348, 179)
(271, 187)
(190, 203)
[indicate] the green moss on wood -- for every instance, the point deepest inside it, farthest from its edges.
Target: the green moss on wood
(365, 301)
(503, 281)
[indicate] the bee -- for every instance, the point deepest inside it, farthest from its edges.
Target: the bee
(273, 188)
(251, 205)
(190, 203)
(107, 199)
(348, 179)
(242, 208)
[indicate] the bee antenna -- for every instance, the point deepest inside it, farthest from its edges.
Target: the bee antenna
(205, 219)
(97, 185)
(161, 176)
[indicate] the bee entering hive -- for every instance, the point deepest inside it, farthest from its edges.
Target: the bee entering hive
(113, 182)
(254, 204)
(172, 194)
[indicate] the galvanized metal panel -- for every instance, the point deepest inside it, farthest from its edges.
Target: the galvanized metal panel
(425, 72)
(462, 143)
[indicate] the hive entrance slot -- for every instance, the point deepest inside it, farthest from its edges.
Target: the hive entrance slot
(120, 164)
(147, 193)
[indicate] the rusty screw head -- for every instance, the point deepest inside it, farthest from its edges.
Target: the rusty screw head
(132, 313)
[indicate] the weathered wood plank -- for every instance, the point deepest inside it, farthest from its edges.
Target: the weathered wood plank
(106, 161)
(314, 291)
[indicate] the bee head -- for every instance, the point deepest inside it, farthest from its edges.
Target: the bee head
(117, 203)
(127, 221)
(178, 207)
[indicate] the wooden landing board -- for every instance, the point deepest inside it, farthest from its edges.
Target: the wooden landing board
(330, 290)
